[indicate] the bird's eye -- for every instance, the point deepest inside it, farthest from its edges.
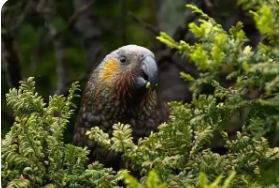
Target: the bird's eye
(122, 59)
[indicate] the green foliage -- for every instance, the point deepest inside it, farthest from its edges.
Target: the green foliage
(180, 151)
(255, 91)
(34, 153)
(266, 16)
(153, 181)
(179, 154)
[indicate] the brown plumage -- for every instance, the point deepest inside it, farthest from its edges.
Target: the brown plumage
(117, 92)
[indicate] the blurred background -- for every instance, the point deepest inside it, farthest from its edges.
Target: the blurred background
(59, 42)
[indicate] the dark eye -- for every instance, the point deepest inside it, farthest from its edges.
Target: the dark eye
(122, 59)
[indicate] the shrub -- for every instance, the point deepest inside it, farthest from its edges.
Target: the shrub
(180, 151)
(33, 152)
(179, 154)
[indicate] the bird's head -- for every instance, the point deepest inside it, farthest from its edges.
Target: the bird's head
(129, 70)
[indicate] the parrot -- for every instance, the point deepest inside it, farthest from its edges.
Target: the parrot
(121, 89)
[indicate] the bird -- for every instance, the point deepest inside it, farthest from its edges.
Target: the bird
(121, 89)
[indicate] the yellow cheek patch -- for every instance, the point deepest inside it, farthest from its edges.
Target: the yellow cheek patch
(110, 68)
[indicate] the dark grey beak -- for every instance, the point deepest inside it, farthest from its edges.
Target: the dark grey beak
(148, 73)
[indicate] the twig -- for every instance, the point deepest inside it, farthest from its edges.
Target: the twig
(10, 56)
(6, 115)
(89, 30)
(90, 67)
(166, 55)
(209, 4)
(34, 148)
(60, 69)
(10, 59)
(86, 76)
(144, 24)
(43, 41)
(23, 15)
(183, 28)
(90, 33)
(45, 7)
(79, 12)
(123, 21)
(5, 66)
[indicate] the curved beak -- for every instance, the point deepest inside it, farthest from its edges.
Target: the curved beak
(149, 72)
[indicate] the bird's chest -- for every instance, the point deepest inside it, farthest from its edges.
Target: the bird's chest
(139, 117)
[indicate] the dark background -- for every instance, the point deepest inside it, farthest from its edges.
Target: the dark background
(59, 42)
